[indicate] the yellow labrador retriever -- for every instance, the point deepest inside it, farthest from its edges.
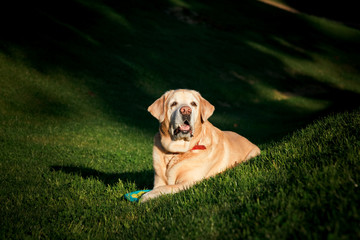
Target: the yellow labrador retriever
(188, 148)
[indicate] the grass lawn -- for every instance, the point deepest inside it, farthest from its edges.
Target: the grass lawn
(76, 78)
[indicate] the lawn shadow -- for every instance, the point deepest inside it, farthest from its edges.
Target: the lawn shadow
(142, 179)
(130, 53)
(344, 11)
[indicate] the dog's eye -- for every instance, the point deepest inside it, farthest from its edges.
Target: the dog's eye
(174, 104)
(193, 104)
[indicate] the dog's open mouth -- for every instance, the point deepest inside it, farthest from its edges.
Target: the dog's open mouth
(184, 128)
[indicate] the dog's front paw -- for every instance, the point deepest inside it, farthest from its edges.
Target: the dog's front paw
(150, 195)
(146, 197)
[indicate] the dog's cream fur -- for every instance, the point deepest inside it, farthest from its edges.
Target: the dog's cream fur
(176, 165)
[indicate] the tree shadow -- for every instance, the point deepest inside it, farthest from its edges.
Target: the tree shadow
(142, 179)
(344, 11)
(131, 52)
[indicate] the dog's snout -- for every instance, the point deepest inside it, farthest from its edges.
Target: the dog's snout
(185, 110)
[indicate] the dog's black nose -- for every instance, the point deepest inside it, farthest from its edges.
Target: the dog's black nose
(185, 110)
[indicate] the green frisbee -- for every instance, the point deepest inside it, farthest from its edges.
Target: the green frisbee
(135, 196)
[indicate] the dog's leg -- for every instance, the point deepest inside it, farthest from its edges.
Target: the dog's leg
(159, 181)
(253, 153)
(167, 189)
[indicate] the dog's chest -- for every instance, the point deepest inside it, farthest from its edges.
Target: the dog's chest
(172, 159)
(178, 159)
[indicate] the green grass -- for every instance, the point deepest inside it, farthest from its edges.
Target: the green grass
(76, 78)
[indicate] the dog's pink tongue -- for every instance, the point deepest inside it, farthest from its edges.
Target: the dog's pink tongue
(184, 127)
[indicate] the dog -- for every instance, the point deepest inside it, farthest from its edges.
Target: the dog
(188, 148)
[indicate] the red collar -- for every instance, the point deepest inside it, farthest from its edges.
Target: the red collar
(198, 147)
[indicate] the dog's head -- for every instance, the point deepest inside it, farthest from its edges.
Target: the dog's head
(181, 113)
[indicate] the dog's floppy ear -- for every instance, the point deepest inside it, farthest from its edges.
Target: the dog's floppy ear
(206, 109)
(157, 109)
